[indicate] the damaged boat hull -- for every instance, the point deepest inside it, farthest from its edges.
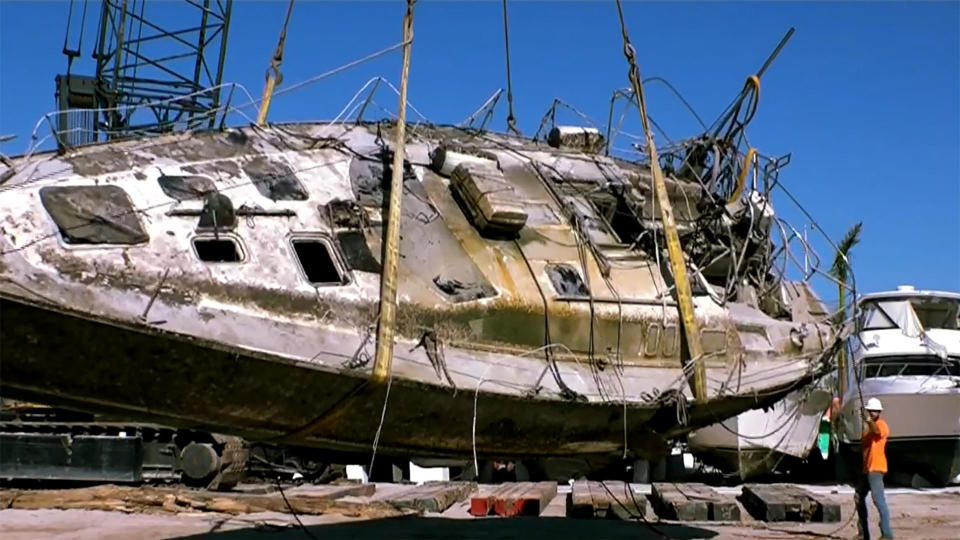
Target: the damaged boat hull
(756, 442)
(228, 281)
(191, 384)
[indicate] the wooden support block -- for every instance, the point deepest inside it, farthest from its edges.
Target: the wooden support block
(765, 502)
(720, 507)
(147, 498)
(514, 499)
(434, 496)
(606, 499)
(829, 511)
(812, 508)
(671, 502)
(787, 502)
(333, 491)
(529, 499)
(481, 505)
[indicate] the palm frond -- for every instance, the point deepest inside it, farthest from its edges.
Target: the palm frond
(852, 238)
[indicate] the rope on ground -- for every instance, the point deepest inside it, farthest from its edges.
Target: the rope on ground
(292, 511)
(633, 496)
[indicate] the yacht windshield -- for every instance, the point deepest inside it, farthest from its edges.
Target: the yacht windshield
(930, 312)
(892, 366)
(937, 312)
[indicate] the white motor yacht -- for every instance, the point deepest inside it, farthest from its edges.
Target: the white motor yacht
(907, 354)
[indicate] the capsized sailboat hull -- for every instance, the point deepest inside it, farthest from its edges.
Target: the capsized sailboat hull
(185, 382)
(229, 280)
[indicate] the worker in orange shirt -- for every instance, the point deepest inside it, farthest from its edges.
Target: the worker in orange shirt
(874, 441)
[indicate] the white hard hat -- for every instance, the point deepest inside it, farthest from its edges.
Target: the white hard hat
(873, 404)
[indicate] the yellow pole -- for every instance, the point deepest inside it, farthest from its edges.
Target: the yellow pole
(677, 264)
(388, 277)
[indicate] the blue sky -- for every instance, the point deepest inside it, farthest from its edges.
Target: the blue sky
(865, 95)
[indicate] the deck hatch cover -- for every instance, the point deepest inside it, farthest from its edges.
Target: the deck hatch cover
(93, 214)
(185, 188)
(275, 180)
(317, 262)
(357, 252)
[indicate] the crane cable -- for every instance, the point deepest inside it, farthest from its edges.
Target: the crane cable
(274, 76)
(511, 119)
(674, 249)
(751, 95)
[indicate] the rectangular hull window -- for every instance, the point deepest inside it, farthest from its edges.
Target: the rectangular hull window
(93, 214)
(218, 250)
(317, 262)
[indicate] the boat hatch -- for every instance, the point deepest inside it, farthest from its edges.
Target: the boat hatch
(93, 215)
(317, 262)
(357, 252)
(218, 250)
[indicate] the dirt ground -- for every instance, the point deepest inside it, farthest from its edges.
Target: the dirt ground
(927, 514)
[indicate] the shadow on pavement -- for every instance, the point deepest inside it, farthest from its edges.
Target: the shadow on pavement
(419, 527)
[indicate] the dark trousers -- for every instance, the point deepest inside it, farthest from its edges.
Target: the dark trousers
(872, 482)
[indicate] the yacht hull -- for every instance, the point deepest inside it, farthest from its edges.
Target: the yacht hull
(924, 418)
(757, 441)
(936, 459)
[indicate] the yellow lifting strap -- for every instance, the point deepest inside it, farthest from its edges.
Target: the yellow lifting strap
(388, 277)
(274, 77)
(677, 264)
(742, 179)
(754, 81)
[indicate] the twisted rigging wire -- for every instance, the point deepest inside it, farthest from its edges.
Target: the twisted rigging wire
(511, 119)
